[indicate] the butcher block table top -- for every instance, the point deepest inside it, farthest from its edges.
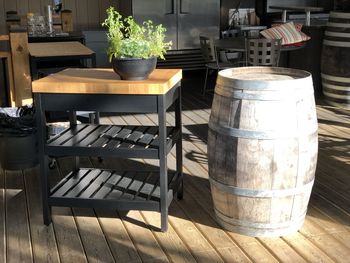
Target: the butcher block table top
(4, 37)
(58, 49)
(106, 81)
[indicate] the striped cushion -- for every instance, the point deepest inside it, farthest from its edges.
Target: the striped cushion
(304, 36)
(286, 32)
(298, 27)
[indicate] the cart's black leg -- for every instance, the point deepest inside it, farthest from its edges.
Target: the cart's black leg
(93, 61)
(96, 115)
(44, 163)
(45, 190)
(72, 122)
(179, 145)
(163, 168)
(94, 118)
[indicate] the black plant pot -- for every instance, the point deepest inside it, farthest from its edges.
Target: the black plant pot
(134, 68)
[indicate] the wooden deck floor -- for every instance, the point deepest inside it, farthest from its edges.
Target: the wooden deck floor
(86, 235)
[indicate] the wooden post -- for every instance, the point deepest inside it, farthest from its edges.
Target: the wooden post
(21, 68)
(11, 87)
(6, 54)
(67, 21)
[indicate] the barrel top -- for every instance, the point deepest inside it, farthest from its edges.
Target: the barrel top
(263, 74)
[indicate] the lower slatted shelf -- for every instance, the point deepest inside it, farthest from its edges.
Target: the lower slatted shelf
(111, 189)
(110, 140)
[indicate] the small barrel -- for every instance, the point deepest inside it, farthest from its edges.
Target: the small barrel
(335, 62)
(262, 149)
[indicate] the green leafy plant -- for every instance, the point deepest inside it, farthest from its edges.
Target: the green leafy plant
(127, 39)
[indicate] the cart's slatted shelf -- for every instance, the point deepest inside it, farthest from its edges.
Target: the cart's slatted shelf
(119, 188)
(102, 140)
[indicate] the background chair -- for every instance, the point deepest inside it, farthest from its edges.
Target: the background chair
(210, 57)
(231, 55)
(263, 52)
(231, 33)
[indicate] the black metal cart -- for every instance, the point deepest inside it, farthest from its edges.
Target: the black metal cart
(100, 90)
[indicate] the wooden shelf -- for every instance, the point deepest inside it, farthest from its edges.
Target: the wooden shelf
(110, 140)
(112, 189)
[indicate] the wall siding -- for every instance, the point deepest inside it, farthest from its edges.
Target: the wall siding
(35, 6)
(2, 16)
(87, 14)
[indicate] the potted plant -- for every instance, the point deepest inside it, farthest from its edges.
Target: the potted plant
(133, 48)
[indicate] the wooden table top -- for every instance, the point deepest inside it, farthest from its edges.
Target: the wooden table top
(4, 37)
(106, 81)
(4, 46)
(58, 49)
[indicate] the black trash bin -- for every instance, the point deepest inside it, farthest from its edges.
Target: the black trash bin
(18, 141)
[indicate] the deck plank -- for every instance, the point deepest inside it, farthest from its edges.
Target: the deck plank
(146, 244)
(196, 242)
(43, 237)
(328, 225)
(306, 249)
(68, 240)
(69, 243)
(344, 238)
(2, 217)
(92, 236)
(281, 250)
(331, 210)
(119, 241)
(225, 247)
(170, 242)
(248, 245)
(19, 246)
(325, 241)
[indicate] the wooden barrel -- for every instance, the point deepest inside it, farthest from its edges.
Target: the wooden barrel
(262, 149)
(335, 62)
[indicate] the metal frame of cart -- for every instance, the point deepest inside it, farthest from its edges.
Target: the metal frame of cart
(88, 187)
